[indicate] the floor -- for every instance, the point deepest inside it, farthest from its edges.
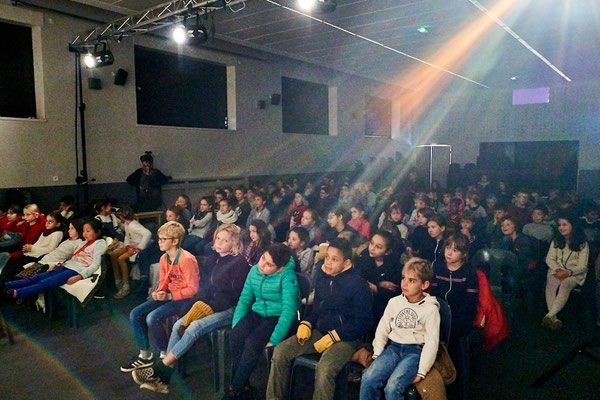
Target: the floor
(52, 361)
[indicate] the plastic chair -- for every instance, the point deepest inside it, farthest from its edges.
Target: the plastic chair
(310, 361)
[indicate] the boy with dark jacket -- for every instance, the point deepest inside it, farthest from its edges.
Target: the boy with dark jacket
(341, 315)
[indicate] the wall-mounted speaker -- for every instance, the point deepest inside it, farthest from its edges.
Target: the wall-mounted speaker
(262, 104)
(276, 99)
(121, 77)
(94, 83)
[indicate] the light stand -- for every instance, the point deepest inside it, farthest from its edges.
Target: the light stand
(82, 177)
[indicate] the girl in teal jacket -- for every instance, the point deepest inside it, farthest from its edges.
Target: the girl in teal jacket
(266, 310)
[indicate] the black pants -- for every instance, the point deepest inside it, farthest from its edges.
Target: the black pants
(247, 341)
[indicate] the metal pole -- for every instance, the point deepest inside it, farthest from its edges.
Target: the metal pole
(430, 166)
(83, 178)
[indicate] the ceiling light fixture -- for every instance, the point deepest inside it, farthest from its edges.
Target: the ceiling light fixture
(318, 6)
(519, 38)
(179, 34)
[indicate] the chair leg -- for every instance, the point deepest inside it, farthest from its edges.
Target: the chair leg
(215, 358)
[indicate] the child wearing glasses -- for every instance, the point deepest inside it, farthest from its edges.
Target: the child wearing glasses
(179, 280)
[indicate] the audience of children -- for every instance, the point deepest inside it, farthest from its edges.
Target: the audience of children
(255, 240)
(298, 240)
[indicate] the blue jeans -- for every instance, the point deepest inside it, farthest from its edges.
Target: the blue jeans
(41, 282)
(152, 316)
(398, 364)
(179, 345)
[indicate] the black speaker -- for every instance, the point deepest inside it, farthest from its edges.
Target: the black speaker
(275, 99)
(94, 83)
(262, 104)
(121, 77)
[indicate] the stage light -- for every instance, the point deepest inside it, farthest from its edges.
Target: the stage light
(423, 29)
(317, 6)
(180, 34)
(101, 56)
(198, 33)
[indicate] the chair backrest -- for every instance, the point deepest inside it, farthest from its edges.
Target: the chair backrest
(445, 320)
(303, 284)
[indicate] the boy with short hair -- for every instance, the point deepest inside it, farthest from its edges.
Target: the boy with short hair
(260, 211)
(340, 316)
(519, 208)
(472, 204)
(179, 281)
(411, 322)
(242, 208)
(538, 228)
(493, 233)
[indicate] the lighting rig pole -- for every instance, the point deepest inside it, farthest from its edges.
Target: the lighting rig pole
(82, 179)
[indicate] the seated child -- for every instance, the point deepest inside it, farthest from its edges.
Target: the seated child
(358, 220)
(411, 323)
(298, 240)
(419, 240)
(260, 210)
(393, 223)
(436, 228)
(538, 228)
(177, 286)
(66, 206)
(255, 240)
(226, 215)
(224, 276)
(111, 224)
(264, 313)
(310, 221)
(81, 265)
(242, 208)
(381, 270)
(202, 220)
(340, 316)
(185, 203)
(493, 230)
(467, 222)
(420, 201)
(137, 238)
(47, 242)
(338, 223)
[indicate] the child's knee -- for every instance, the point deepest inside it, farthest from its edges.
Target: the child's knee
(324, 373)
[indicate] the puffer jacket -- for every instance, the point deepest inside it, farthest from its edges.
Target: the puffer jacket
(271, 295)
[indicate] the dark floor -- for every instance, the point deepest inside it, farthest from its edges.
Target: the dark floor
(52, 361)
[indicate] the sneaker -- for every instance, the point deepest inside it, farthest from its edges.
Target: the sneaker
(136, 363)
(124, 292)
(144, 375)
(156, 386)
(548, 321)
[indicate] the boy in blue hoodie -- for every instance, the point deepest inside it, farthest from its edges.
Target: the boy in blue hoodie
(340, 316)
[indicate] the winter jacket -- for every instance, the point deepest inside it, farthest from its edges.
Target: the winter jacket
(222, 280)
(388, 271)
(30, 234)
(574, 261)
(341, 303)
(490, 314)
(271, 295)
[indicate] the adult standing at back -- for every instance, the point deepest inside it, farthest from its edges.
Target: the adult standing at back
(148, 183)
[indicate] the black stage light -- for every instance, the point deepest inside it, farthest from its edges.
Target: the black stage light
(101, 56)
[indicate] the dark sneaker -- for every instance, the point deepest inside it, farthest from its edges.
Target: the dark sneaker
(157, 386)
(136, 363)
(144, 375)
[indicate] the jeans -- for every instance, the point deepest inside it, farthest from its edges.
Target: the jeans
(247, 342)
(179, 345)
(398, 364)
(41, 282)
(152, 316)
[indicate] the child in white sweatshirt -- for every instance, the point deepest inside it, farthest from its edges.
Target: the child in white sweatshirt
(411, 322)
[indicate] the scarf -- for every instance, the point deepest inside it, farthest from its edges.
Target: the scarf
(229, 218)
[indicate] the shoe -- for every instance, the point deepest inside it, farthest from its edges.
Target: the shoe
(124, 292)
(556, 324)
(548, 322)
(136, 363)
(156, 386)
(143, 375)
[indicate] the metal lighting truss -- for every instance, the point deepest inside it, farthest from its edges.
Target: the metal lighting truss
(148, 20)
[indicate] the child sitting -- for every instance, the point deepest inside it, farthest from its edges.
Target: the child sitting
(340, 316)
(411, 323)
(420, 201)
(201, 221)
(260, 210)
(538, 229)
(255, 239)
(185, 203)
(264, 313)
(226, 215)
(178, 284)
(242, 208)
(358, 220)
(66, 206)
(467, 222)
(493, 229)
(137, 238)
(419, 240)
(310, 221)
(338, 223)
(111, 225)
(298, 240)
(436, 228)
(81, 265)
(225, 273)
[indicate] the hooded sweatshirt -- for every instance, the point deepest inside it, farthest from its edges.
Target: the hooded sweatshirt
(411, 323)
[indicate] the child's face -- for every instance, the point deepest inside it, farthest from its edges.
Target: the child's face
(51, 223)
(412, 286)
(431, 196)
(446, 198)
(592, 216)
(11, 215)
(223, 243)
(333, 220)
(30, 216)
(73, 234)
(537, 216)
(469, 202)
(89, 233)
(204, 206)
(253, 233)
(421, 219)
(564, 227)
(259, 202)
(419, 204)
(466, 224)
(307, 219)
(239, 195)
(396, 215)
(499, 214)
(508, 227)
(171, 216)
(107, 209)
(343, 191)
(298, 199)
(377, 247)
(435, 230)
(218, 197)
(294, 241)
(490, 203)
(452, 255)
(356, 213)
(224, 207)
(62, 206)
(166, 243)
(266, 266)
(276, 199)
(323, 194)
(522, 199)
(181, 202)
(335, 262)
